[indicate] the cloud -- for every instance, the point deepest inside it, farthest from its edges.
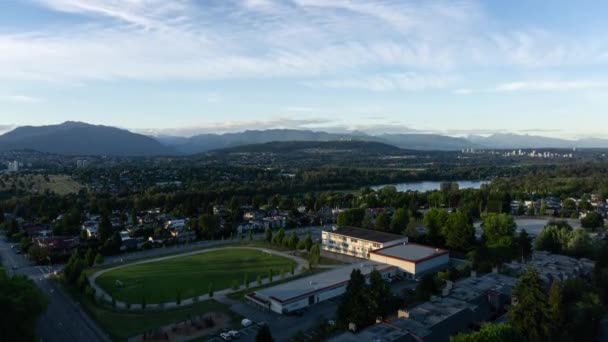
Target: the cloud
(238, 126)
(328, 41)
(6, 128)
(19, 98)
(386, 82)
(547, 86)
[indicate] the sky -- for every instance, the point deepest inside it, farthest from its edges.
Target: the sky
(184, 67)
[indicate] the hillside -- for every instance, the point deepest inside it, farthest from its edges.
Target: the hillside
(77, 138)
(314, 147)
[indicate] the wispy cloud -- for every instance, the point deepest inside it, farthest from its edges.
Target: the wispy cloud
(399, 81)
(546, 86)
(19, 98)
(328, 40)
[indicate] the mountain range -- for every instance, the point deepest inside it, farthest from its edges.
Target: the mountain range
(78, 138)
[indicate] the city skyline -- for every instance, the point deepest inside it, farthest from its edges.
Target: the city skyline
(182, 68)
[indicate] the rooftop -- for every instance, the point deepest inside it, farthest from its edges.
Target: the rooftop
(554, 266)
(382, 332)
(472, 288)
(318, 282)
(365, 234)
(410, 252)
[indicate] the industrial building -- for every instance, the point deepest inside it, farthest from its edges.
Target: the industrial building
(304, 292)
(357, 242)
(412, 259)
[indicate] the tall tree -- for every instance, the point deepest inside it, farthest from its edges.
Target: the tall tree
(399, 221)
(497, 226)
(382, 222)
(434, 220)
(264, 335)
(356, 305)
(556, 310)
(105, 229)
(530, 315)
(458, 232)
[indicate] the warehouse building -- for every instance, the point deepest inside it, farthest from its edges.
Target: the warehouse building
(357, 242)
(413, 260)
(304, 292)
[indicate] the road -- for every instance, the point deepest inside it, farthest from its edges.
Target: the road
(64, 320)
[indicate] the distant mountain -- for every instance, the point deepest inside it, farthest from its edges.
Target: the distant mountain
(207, 142)
(508, 140)
(314, 147)
(427, 141)
(78, 138)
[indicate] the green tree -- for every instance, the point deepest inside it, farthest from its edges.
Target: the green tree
(315, 255)
(556, 310)
(89, 257)
(530, 315)
(98, 259)
(210, 290)
(105, 229)
(21, 304)
(497, 226)
(207, 224)
(434, 220)
(246, 280)
(524, 244)
(592, 221)
(399, 221)
(270, 275)
(356, 305)
(382, 223)
(351, 217)
(458, 232)
(491, 332)
(380, 294)
(259, 280)
(268, 234)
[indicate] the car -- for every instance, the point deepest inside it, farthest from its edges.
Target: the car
(12, 246)
(331, 322)
(234, 333)
(262, 324)
(225, 336)
(18, 251)
(14, 267)
(246, 322)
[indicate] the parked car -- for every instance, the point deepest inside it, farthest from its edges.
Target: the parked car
(246, 322)
(234, 333)
(262, 324)
(225, 336)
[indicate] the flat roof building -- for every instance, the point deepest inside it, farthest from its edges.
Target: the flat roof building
(301, 293)
(411, 258)
(554, 266)
(357, 242)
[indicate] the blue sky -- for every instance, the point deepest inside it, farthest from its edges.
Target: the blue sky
(185, 67)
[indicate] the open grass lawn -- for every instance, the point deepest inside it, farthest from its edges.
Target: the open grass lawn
(60, 184)
(121, 324)
(189, 275)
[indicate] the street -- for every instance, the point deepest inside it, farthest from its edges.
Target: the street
(64, 320)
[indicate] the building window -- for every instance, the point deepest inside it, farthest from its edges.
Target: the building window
(353, 240)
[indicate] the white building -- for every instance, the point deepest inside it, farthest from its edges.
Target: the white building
(13, 166)
(357, 242)
(301, 293)
(412, 259)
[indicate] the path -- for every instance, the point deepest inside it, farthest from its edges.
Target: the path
(218, 295)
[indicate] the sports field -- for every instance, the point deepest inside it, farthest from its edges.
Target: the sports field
(189, 276)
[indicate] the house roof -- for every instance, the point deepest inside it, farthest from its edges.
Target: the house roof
(365, 234)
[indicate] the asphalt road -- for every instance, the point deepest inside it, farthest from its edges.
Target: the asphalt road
(64, 320)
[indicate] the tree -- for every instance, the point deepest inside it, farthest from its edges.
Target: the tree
(105, 229)
(530, 315)
(210, 290)
(380, 294)
(246, 280)
(207, 224)
(426, 287)
(351, 217)
(143, 302)
(399, 221)
(270, 275)
(264, 335)
(89, 257)
(277, 239)
(592, 221)
(458, 232)
(524, 244)
(268, 234)
(356, 305)
(21, 303)
(293, 241)
(497, 226)
(491, 332)
(259, 280)
(556, 309)
(98, 259)
(434, 220)
(315, 255)
(382, 222)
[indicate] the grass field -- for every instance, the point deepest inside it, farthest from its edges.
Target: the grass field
(60, 184)
(121, 324)
(189, 275)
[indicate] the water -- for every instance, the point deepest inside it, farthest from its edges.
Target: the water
(431, 185)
